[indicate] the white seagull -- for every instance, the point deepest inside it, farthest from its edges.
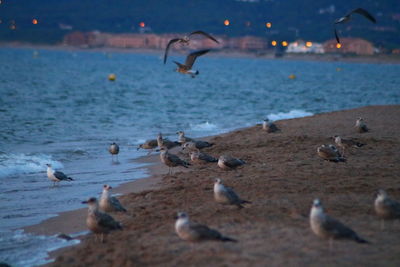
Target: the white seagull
(385, 207)
(56, 176)
(226, 195)
(109, 203)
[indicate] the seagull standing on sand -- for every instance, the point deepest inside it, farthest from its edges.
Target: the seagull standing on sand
(185, 41)
(190, 59)
(227, 162)
(346, 143)
(182, 138)
(330, 153)
(329, 228)
(385, 207)
(200, 157)
(269, 126)
(109, 203)
(165, 142)
(347, 18)
(192, 232)
(149, 145)
(361, 127)
(99, 222)
(171, 160)
(114, 150)
(56, 176)
(196, 145)
(226, 195)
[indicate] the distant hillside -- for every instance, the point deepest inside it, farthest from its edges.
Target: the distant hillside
(306, 19)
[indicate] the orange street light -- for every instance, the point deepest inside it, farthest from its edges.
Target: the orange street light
(268, 25)
(227, 22)
(338, 45)
(142, 24)
(34, 21)
(308, 44)
(273, 43)
(284, 43)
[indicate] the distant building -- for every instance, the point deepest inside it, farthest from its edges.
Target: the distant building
(301, 46)
(356, 46)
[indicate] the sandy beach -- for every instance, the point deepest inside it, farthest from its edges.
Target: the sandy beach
(282, 176)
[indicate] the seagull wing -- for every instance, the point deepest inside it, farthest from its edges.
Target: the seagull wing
(175, 159)
(207, 157)
(204, 232)
(117, 205)
(167, 48)
(191, 58)
(233, 197)
(337, 36)
(61, 176)
(394, 206)
(108, 222)
(364, 13)
(205, 34)
(339, 230)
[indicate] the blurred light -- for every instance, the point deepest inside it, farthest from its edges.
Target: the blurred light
(308, 44)
(248, 23)
(268, 24)
(227, 22)
(284, 43)
(338, 45)
(13, 27)
(273, 43)
(141, 24)
(34, 21)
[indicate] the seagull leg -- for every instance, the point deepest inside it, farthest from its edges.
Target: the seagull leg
(102, 238)
(382, 224)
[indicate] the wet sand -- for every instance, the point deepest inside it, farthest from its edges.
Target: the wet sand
(282, 176)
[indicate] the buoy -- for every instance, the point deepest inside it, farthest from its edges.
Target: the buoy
(292, 76)
(112, 77)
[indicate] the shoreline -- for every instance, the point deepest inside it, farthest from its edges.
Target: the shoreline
(267, 55)
(281, 200)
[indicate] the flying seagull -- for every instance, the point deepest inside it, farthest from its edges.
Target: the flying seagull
(226, 195)
(171, 160)
(114, 150)
(327, 227)
(99, 222)
(185, 41)
(161, 142)
(227, 162)
(346, 143)
(330, 153)
(385, 207)
(192, 232)
(182, 138)
(190, 59)
(347, 18)
(200, 157)
(56, 176)
(269, 126)
(109, 203)
(361, 127)
(149, 145)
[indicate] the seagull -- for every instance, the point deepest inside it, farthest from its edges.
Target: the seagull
(192, 232)
(99, 222)
(196, 145)
(227, 162)
(109, 203)
(114, 150)
(166, 143)
(330, 153)
(327, 227)
(56, 176)
(269, 126)
(346, 143)
(386, 208)
(149, 144)
(182, 138)
(361, 126)
(185, 41)
(171, 160)
(190, 59)
(226, 195)
(347, 18)
(200, 157)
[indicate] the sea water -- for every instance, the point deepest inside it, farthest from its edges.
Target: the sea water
(58, 107)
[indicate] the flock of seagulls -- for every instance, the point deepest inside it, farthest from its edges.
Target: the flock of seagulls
(101, 223)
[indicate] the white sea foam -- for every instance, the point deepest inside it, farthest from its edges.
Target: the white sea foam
(14, 164)
(296, 113)
(205, 126)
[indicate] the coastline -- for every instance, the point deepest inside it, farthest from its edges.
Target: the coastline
(281, 178)
(268, 55)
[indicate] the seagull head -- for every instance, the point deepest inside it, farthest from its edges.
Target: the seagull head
(182, 215)
(381, 194)
(106, 187)
(218, 181)
(91, 201)
(317, 203)
(266, 120)
(48, 165)
(360, 119)
(180, 132)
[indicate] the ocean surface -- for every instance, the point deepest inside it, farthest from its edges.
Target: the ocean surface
(59, 107)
